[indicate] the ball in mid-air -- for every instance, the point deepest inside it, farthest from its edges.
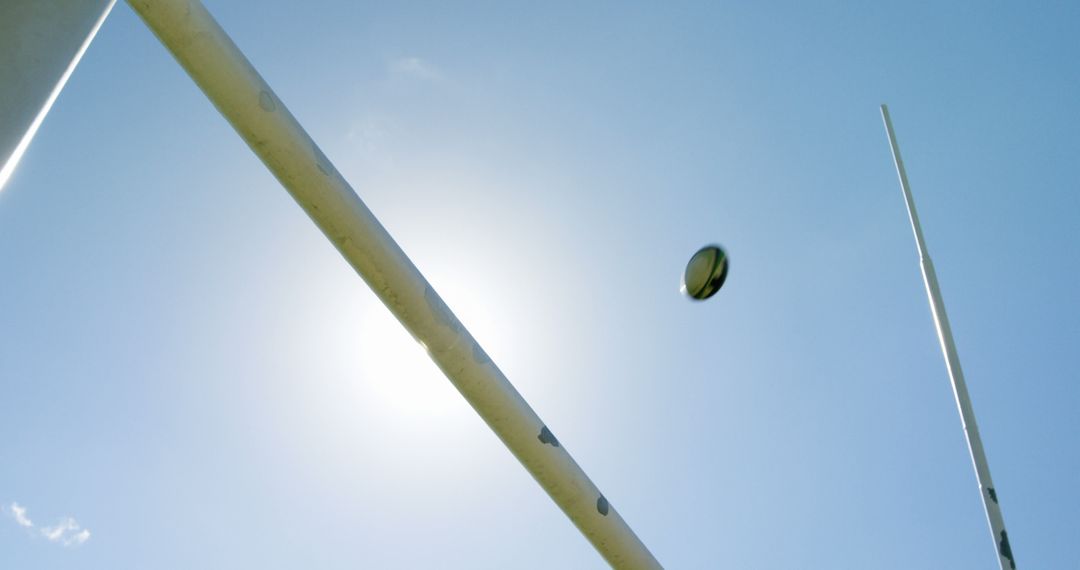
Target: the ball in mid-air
(705, 273)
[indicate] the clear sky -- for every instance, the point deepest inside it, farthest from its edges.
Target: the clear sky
(190, 371)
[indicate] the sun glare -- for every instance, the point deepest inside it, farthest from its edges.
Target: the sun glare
(397, 370)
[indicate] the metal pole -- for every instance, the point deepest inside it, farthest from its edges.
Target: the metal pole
(952, 363)
(227, 78)
(41, 43)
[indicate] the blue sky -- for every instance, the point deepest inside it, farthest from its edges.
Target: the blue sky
(190, 371)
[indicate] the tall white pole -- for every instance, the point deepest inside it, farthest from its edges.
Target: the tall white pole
(227, 78)
(952, 363)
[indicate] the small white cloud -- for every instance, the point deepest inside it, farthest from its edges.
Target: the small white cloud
(415, 68)
(19, 514)
(54, 533)
(66, 532)
(78, 538)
